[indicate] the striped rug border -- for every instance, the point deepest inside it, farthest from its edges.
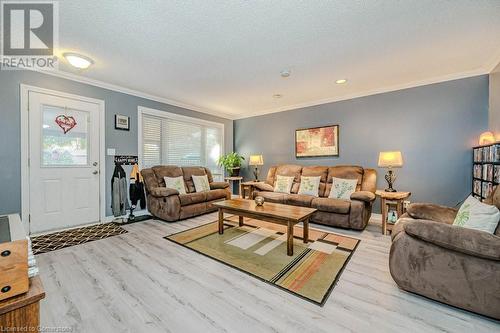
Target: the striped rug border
(327, 293)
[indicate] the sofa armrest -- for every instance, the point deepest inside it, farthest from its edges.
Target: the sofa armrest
(426, 211)
(261, 186)
(365, 196)
(218, 185)
(161, 192)
(469, 241)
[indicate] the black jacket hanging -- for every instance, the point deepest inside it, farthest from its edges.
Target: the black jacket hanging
(136, 190)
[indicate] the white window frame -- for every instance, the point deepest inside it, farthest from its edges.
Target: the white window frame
(142, 110)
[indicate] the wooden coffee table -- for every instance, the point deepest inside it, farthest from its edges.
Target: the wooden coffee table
(270, 212)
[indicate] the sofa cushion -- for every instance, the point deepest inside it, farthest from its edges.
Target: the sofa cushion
(322, 171)
(331, 205)
(299, 200)
(189, 172)
(342, 188)
(192, 198)
(177, 183)
(216, 194)
(473, 214)
(283, 184)
(309, 185)
(290, 170)
(201, 183)
(346, 172)
(272, 196)
(166, 171)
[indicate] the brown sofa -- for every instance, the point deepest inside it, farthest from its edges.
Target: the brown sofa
(454, 265)
(167, 204)
(353, 213)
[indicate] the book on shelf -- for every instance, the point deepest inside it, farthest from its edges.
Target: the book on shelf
(477, 187)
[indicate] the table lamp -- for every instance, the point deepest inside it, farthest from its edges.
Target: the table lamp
(389, 160)
(256, 161)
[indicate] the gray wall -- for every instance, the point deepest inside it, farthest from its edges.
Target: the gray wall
(494, 113)
(116, 103)
(434, 126)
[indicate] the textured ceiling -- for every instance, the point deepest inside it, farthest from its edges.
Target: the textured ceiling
(225, 57)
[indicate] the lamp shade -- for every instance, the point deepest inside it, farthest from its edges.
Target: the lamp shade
(390, 159)
(256, 160)
(486, 138)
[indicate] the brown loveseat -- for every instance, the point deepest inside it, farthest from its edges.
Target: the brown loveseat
(167, 204)
(454, 265)
(353, 213)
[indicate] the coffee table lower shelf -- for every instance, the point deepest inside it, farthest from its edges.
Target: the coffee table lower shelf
(254, 215)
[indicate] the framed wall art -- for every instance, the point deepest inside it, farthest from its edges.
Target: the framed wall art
(317, 141)
(122, 122)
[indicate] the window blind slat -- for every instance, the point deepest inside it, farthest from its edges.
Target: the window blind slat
(167, 141)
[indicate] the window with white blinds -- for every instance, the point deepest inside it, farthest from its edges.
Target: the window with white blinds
(169, 139)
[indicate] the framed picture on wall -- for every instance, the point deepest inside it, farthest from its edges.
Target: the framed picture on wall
(122, 122)
(317, 141)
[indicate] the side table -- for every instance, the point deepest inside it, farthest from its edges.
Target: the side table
(231, 180)
(21, 313)
(247, 186)
(387, 199)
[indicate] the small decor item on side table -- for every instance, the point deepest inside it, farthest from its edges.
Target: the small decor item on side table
(259, 201)
(122, 122)
(256, 161)
(389, 160)
(388, 200)
(231, 163)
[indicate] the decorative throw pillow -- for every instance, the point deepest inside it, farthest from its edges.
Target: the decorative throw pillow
(309, 185)
(474, 214)
(201, 183)
(283, 184)
(342, 188)
(177, 183)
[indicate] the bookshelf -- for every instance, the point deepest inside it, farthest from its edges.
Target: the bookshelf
(485, 170)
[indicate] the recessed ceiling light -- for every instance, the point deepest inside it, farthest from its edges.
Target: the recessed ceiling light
(78, 61)
(341, 81)
(277, 95)
(285, 73)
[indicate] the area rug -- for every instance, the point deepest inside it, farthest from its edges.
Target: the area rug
(259, 249)
(72, 237)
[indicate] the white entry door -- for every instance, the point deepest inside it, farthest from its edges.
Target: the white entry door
(63, 162)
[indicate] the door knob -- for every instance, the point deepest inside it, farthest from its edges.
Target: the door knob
(95, 172)
(94, 164)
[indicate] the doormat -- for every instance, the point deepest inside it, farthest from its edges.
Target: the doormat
(258, 248)
(72, 237)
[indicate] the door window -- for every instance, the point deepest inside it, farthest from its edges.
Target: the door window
(65, 137)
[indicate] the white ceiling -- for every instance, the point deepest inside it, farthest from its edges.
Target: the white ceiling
(225, 57)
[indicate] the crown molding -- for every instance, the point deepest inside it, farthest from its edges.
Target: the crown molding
(413, 84)
(132, 92)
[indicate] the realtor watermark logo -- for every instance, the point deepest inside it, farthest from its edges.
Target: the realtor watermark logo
(30, 35)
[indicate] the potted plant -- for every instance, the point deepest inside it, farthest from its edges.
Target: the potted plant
(231, 163)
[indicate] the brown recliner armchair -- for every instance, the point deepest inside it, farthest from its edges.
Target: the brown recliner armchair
(431, 257)
(167, 204)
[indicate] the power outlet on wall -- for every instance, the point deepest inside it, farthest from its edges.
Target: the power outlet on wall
(406, 203)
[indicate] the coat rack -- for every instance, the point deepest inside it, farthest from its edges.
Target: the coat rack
(130, 160)
(126, 160)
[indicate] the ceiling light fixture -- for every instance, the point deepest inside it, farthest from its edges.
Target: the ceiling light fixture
(277, 95)
(285, 73)
(341, 81)
(78, 61)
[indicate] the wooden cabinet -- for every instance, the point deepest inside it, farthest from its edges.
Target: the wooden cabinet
(21, 313)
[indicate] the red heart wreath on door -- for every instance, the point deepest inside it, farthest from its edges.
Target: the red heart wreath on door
(65, 122)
